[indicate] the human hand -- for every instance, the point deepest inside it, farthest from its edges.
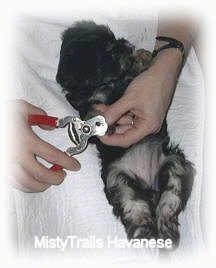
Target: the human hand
(142, 109)
(28, 174)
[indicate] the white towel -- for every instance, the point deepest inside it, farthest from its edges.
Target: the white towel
(79, 206)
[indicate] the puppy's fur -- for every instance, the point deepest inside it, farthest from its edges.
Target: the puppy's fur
(149, 183)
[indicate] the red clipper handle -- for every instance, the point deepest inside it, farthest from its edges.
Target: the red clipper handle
(37, 119)
(56, 168)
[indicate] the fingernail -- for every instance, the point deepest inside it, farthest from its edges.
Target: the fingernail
(65, 173)
(76, 166)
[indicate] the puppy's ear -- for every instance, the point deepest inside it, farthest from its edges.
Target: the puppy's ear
(77, 65)
(83, 54)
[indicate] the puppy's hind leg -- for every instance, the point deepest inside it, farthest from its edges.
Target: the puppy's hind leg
(133, 206)
(175, 183)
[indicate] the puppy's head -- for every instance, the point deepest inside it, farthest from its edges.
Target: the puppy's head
(91, 57)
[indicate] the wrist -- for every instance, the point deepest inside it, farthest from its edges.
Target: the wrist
(169, 43)
(167, 63)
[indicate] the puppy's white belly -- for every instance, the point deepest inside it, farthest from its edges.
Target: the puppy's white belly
(142, 161)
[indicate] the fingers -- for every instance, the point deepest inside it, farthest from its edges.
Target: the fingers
(128, 135)
(27, 140)
(128, 130)
(19, 111)
(24, 108)
(41, 173)
(122, 139)
(26, 182)
(30, 175)
(31, 109)
(53, 155)
(116, 110)
(121, 129)
(124, 119)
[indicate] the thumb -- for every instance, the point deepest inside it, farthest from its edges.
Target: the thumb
(115, 111)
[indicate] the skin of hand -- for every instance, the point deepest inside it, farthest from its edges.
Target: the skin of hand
(145, 102)
(28, 174)
(148, 96)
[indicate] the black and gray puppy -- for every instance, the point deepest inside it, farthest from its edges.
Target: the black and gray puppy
(149, 183)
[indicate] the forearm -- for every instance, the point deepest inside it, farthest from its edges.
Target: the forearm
(169, 61)
(181, 29)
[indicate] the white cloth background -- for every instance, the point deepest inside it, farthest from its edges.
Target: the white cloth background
(79, 206)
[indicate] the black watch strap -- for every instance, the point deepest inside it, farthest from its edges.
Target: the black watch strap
(172, 43)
